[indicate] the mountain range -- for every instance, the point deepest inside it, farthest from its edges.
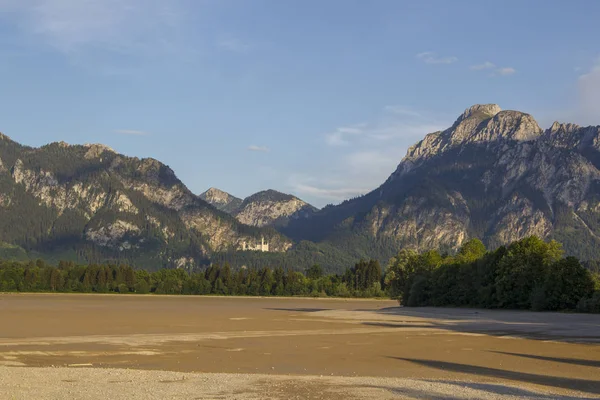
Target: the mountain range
(495, 175)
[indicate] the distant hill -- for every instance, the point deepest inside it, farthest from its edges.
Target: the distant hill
(265, 208)
(272, 208)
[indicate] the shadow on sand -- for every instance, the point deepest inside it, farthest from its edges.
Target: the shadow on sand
(577, 328)
(305, 310)
(396, 325)
(575, 361)
(494, 389)
(582, 385)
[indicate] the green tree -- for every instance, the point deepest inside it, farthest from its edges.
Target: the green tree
(522, 269)
(55, 280)
(567, 281)
(399, 273)
(471, 251)
(266, 282)
(314, 272)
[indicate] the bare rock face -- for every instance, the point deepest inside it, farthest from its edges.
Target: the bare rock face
(419, 225)
(112, 233)
(508, 125)
(487, 110)
(272, 208)
(493, 174)
(96, 150)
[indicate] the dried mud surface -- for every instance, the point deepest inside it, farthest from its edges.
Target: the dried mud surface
(126, 347)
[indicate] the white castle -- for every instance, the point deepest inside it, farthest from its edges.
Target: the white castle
(264, 247)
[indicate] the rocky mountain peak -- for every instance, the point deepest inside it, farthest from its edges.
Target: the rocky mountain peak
(488, 122)
(479, 110)
(221, 200)
(215, 195)
(269, 195)
(509, 125)
(558, 127)
(572, 136)
(270, 207)
(96, 149)
(481, 124)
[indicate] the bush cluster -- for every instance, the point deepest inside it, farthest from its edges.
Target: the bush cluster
(527, 274)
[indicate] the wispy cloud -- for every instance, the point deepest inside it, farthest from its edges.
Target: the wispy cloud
(402, 110)
(261, 149)
(367, 153)
(352, 175)
(429, 57)
(397, 123)
(505, 71)
(341, 136)
(375, 161)
(488, 65)
(589, 95)
(404, 131)
(113, 36)
(132, 132)
(335, 194)
(485, 65)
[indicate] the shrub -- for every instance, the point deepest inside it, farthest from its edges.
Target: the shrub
(539, 300)
(419, 292)
(142, 287)
(591, 304)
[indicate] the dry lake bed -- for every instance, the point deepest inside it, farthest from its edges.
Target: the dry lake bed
(177, 347)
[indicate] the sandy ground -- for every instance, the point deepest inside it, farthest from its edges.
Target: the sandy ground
(139, 347)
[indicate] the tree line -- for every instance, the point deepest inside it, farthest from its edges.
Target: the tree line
(362, 280)
(527, 274)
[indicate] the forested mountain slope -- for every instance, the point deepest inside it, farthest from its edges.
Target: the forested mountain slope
(94, 203)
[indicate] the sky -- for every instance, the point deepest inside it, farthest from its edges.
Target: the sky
(317, 98)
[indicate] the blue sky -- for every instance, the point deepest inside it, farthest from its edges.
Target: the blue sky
(316, 98)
